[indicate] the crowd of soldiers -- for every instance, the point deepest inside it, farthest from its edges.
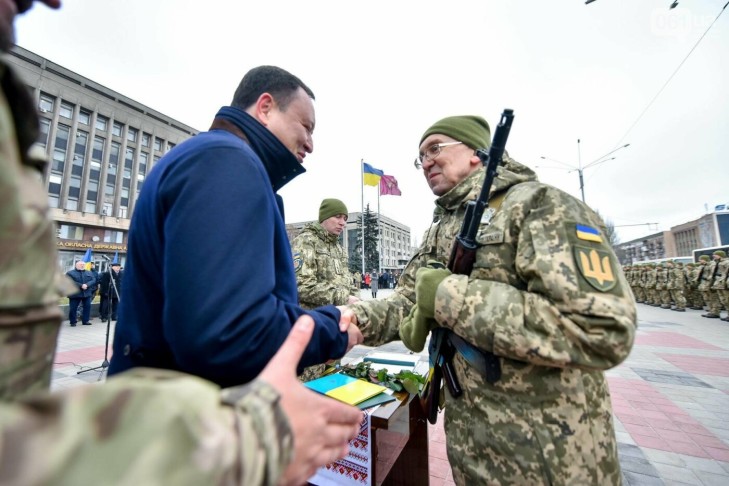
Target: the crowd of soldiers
(673, 285)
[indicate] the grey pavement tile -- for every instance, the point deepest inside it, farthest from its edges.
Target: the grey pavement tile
(634, 479)
(711, 479)
(625, 438)
(677, 473)
(664, 457)
(707, 465)
(631, 450)
(724, 465)
(638, 465)
(670, 377)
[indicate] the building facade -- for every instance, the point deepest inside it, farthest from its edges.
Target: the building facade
(710, 230)
(101, 145)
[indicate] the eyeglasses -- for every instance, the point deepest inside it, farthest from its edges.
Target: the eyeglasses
(432, 152)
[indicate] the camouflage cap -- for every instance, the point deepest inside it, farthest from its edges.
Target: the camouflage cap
(474, 131)
(720, 253)
(704, 258)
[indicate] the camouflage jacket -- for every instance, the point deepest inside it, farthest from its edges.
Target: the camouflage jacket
(679, 278)
(722, 269)
(30, 283)
(322, 270)
(706, 278)
(146, 427)
(554, 307)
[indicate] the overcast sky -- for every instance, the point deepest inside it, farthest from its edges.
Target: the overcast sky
(383, 71)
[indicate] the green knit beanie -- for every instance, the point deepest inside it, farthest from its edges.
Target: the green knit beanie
(331, 207)
(704, 258)
(474, 131)
(720, 253)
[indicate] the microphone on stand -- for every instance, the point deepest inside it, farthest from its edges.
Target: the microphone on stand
(106, 258)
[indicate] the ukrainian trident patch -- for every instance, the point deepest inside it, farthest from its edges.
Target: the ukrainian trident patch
(596, 267)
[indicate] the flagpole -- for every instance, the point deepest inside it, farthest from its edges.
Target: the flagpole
(379, 234)
(362, 229)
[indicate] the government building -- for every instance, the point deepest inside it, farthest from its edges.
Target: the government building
(101, 145)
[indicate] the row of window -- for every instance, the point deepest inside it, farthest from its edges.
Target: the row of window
(76, 233)
(47, 104)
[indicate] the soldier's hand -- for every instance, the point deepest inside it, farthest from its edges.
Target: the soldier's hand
(346, 318)
(355, 337)
(321, 427)
(352, 299)
(427, 280)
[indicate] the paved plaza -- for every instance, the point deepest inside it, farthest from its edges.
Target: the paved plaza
(670, 398)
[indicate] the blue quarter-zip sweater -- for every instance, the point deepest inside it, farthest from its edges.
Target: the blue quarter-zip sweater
(209, 285)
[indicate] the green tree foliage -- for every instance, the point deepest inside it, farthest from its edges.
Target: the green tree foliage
(371, 237)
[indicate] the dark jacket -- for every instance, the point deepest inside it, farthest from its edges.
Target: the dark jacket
(105, 283)
(81, 277)
(210, 204)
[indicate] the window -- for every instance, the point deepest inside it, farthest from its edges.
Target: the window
(143, 160)
(46, 103)
(116, 130)
(111, 236)
(66, 110)
(122, 212)
(114, 154)
(97, 153)
(72, 204)
(90, 206)
(84, 116)
(70, 232)
(132, 134)
(60, 147)
(53, 201)
(74, 188)
(170, 146)
(157, 144)
(145, 139)
(102, 123)
(129, 158)
(82, 139)
(54, 185)
(107, 209)
(45, 128)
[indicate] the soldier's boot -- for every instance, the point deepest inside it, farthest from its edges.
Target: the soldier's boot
(710, 315)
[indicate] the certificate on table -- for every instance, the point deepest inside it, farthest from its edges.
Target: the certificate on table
(356, 467)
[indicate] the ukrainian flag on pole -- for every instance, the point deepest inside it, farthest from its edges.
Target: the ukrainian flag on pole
(371, 176)
(87, 259)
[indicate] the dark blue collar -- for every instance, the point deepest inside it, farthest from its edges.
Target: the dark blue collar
(280, 164)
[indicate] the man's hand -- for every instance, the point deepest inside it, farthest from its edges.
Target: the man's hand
(346, 318)
(352, 299)
(355, 337)
(321, 426)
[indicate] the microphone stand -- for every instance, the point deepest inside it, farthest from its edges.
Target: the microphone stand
(112, 285)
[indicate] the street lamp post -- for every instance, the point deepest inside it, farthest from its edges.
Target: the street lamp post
(580, 168)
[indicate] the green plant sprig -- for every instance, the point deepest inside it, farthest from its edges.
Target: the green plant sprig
(404, 380)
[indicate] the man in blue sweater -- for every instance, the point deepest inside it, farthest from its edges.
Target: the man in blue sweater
(213, 198)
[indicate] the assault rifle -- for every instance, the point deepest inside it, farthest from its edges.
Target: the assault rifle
(443, 342)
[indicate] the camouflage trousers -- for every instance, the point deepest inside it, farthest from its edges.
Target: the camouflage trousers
(723, 295)
(711, 299)
(316, 371)
(678, 298)
(28, 340)
(639, 293)
(665, 298)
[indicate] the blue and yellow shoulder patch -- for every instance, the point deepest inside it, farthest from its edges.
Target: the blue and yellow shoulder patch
(588, 233)
(298, 261)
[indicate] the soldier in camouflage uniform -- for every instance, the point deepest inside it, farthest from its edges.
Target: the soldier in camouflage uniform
(664, 297)
(649, 279)
(546, 296)
(322, 268)
(640, 291)
(146, 426)
(719, 286)
(678, 287)
(707, 280)
(693, 296)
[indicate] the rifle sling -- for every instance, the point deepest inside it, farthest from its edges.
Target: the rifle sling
(484, 362)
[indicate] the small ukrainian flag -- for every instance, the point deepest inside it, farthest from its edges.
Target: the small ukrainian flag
(588, 233)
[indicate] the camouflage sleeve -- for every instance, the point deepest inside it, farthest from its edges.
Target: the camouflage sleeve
(314, 289)
(571, 305)
(379, 320)
(146, 427)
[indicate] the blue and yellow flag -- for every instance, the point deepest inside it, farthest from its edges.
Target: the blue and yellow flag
(87, 259)
(371, 176)
(116, 258)
(588, 233)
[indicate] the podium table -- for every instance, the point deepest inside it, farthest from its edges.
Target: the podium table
(400, 442)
